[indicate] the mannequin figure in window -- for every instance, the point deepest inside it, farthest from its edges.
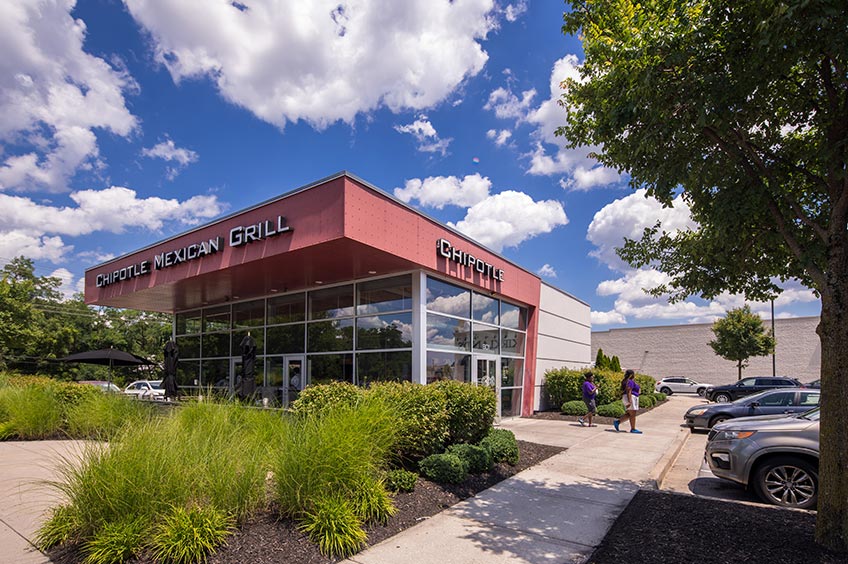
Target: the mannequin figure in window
(248, 367)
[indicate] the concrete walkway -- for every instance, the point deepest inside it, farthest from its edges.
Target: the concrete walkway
(557, 511)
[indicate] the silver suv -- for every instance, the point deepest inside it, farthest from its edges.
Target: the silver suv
(778, 457)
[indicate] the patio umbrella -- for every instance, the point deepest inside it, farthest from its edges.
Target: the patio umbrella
(248, 366)
(169, 382)
(109, 357)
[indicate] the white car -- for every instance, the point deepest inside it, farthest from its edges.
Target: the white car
(146, 389)
(680, 385)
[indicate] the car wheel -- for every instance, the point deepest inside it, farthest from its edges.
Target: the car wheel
(788, 481)
(665, 390)
(702, 391)
(718, 419)
(722, 398)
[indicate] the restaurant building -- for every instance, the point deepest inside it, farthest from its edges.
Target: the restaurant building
(338, 280)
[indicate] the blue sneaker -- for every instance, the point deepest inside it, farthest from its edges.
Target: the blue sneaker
(637, 431)
(615, 424)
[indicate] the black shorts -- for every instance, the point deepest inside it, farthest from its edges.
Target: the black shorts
(590, 405)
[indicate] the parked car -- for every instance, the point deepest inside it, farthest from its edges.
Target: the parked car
(748, 386)
(679, 385)
(146, 389)
(813, 384)
(771, 402)
(103, 385)
(777, 457)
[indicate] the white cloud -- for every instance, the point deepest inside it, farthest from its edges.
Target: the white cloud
(513, 11)
(499, 137)
(507, 105)
(69, 286)
(53, 96)
(509, 218)
(547, 271)
(583, 179)
(439, 191)
(426, 136)
(33, 230)
(606, 318)
(321, 61)
(169, 152)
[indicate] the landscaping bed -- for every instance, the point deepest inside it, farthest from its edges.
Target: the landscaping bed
(597, 419)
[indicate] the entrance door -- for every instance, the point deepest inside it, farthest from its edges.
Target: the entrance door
(486, 370)
(293, 378)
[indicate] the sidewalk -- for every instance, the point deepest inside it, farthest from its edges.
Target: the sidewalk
(557, 511)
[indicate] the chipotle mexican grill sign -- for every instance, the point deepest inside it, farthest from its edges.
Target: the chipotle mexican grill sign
(448, 251)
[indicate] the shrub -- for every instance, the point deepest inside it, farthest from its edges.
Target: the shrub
(477, 458)
(646, 401)
(332, 524)
(315, 399)
(187, 535)
(471, 410)
(444, 468)
(503, 446)
(562, 385)
(422, 417)
(574, 407)
(115, 542)
(401, 480)
(614, 409)
(660, 397)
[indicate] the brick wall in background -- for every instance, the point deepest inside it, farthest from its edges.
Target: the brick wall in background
(682, 350)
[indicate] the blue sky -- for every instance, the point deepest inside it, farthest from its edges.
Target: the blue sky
(123, 123)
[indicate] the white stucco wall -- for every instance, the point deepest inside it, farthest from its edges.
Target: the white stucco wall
(682, 350)
(565, 335)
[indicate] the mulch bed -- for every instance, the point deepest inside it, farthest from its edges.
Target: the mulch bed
(669, 528)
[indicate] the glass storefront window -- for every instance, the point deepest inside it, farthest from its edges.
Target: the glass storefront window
(188, 323)
(447, 333)
(216, 373)
(511, 402)
(513, 316)
(387, 294)
(324, 336)
(326, 368)
(512, 342)
(287, 309)
(383, 367)
(258, 336)
(215, 344)
(331, 303)
(447, 298)
(512, 372)
(189, 346)
(216, 319)
(285, 339)
(485, 339)
(188, 373)
(249, 314)
(446, 366)
(392, 331)
(484, 308)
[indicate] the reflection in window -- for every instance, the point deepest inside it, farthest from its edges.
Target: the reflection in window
(484, 308)
(512, 342)
(216, 373)
(258, 337)
(513, 316)
(249, 314)
(387, 294)
(216, 319)
(188, 373)
(447, 298)
(485, 339)
(511, 402)
(384, 367)
(331, 303)
(284, 339)
(188, 323)
(446, 366)
(189, 346)
(448, 333)
(287, 309)
(215, 344)
(384, 331)
(326, 368)
(326, 336)
(512, 372)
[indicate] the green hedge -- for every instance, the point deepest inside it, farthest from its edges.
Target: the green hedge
(444, 468)
(614, 409)
(503, 446)
(646, 401)
(563, 385)
(574, 407)
(315, 399)
(471, 410)
(401, 480)
(423, 417)
(479, 459)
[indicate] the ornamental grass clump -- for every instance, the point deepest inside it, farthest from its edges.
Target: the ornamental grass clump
(115, 542)
(333, 525)
(185, 535)
(101, 416)
(32, 411)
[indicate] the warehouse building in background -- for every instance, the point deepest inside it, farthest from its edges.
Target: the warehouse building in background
(338, 280)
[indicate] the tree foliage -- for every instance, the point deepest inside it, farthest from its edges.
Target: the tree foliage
(741, 335)
(741, 108)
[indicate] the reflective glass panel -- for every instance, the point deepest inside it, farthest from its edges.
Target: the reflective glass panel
(446, 366)
(285, 339)
(387, 294)
(216, 373)
(512, 372)
(484, 308)
(287, 309)
(447, 298)
(393, 331)
(331, 303)
(383, 367)
(258, 337)
(513, 316)
(249, 314)
(188, 323)
(215, 344)
(326, 368)
(334, 335)
(188, 373)
(511, 402)
(189, 346)
(485, 339)
(447, 333)
(216, 319)
(512, 342)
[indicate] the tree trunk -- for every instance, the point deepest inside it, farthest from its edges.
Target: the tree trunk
(739, 370)
(832, 519)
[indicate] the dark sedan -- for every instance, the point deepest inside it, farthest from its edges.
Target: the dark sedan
(771, 402)
(748, 386)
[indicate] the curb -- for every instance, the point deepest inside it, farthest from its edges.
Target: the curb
(662, 467)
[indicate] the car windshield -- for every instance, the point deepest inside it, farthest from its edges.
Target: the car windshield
(754, 397)
(156, 384)
(812, 415)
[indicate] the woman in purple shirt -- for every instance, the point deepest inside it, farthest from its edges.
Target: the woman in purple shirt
(590, 392)
(630, 398)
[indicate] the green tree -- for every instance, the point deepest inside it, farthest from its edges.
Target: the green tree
(602, 361)
(741, 107)
(741, 335)
(615, 364)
